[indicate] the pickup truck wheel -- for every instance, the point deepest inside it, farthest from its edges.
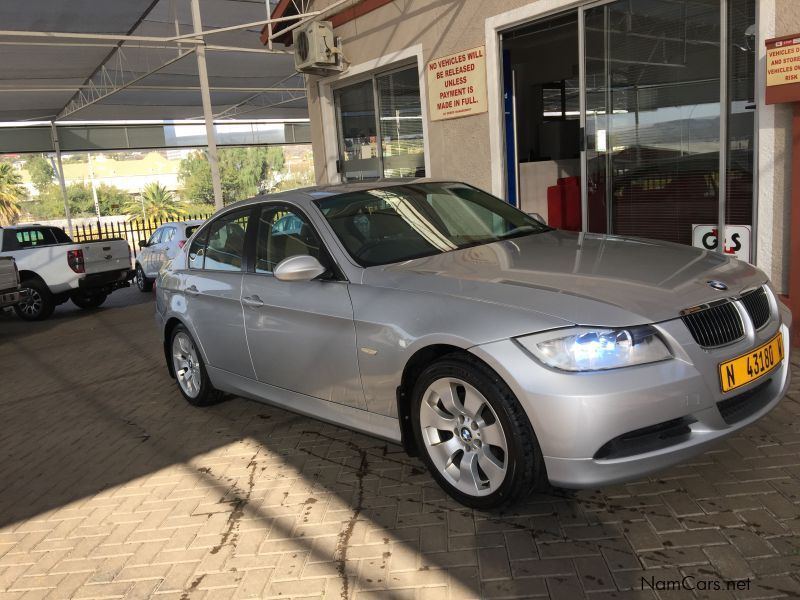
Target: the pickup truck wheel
(143, 283)
(88, 301)
(187, 364)
(39, 304)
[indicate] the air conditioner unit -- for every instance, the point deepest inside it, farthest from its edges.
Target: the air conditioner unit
(315, 49)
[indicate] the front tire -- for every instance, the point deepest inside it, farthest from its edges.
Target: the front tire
(89, 301)
(473, 434)
(190, 371)
(39, 303)
(142, 282)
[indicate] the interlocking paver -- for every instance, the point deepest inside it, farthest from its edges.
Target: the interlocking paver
(122, 490)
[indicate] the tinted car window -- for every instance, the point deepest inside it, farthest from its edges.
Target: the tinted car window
(225, 247)
(392, 224)
(190, 229)
(168, 234)
(34, 236)
(284, 232)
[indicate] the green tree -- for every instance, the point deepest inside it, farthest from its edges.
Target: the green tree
(50, 203)
(157, 202)
(194, 173)
(112, 199)
(244, 172)
(11, 193)
(40, 171)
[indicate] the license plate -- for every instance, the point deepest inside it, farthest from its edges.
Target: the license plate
(748, 367)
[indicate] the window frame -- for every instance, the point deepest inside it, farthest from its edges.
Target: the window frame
(336, 272)
(373, 76)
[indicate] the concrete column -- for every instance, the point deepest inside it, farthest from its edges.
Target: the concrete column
(61, 180)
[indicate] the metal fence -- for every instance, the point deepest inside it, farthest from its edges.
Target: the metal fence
(131, 231)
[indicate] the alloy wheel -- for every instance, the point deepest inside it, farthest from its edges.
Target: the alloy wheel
(187, 364)
(463, 436)
(140, 278)
(32, 306)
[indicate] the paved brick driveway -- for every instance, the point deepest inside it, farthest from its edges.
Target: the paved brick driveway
(111, 486)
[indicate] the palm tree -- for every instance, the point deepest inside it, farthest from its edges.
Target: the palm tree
(11, 192)
(156, 202)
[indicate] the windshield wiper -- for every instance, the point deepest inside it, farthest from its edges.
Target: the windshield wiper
(519, 231)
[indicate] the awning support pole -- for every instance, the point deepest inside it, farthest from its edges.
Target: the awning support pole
(61, 180)
(205, 94)
(269, 24)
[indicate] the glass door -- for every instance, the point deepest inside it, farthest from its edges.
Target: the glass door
(651, 113)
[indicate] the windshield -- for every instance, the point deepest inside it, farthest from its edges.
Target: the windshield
(398, 223)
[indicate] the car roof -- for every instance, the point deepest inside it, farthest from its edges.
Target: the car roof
(28, 226)
(189, 223)
(302, 195)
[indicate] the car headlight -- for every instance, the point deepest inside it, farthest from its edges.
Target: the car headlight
(596, 349)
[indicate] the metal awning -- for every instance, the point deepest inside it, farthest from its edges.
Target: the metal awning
(120, 60)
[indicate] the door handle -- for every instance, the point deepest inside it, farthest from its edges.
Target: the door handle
(252, 301)
(192, 290)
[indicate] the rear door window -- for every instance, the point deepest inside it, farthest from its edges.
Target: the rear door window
(220, 247)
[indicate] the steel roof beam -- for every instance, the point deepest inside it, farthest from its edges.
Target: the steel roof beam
(84, 101)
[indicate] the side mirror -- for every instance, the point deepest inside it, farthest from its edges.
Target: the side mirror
(142, 243)
(538, 217)
(299, 268)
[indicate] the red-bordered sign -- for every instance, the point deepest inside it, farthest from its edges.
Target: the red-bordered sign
(783, 69)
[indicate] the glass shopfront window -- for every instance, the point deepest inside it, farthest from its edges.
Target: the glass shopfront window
(667, 102)
(652, 117)
(380, 131)
(741, 116)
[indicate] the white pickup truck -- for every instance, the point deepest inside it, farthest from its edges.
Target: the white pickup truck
(54, 269)
(9, 282)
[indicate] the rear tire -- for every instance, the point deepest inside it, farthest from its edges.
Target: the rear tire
(39, 303)
(142, 282)
(88, 301)
(190, 371)
(473, 434)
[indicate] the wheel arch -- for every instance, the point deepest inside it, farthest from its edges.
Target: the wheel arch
(169, 327)
(26, 274)
(413, 368)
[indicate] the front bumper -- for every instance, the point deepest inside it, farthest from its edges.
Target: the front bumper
(607, 427)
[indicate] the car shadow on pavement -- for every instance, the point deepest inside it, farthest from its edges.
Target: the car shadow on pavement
(103, 460)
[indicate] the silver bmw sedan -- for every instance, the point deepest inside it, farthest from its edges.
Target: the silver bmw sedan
(503, 352)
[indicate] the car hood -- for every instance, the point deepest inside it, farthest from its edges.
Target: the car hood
(583, 278)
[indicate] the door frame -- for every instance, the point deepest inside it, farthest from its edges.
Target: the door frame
(493, 30)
